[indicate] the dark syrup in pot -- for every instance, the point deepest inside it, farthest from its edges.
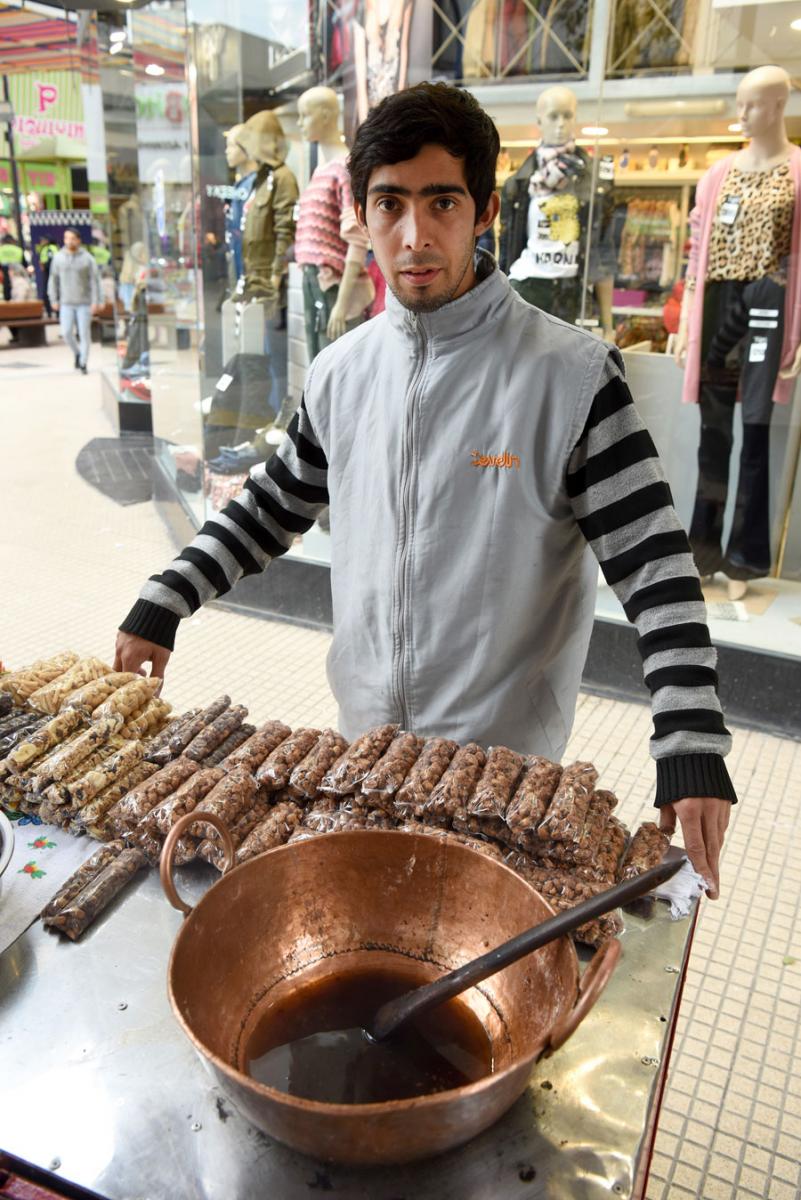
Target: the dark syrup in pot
(312, 1044)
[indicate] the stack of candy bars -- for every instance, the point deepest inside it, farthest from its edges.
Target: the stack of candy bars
(96, 752)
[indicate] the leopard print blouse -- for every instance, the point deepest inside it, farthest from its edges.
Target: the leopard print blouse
(757, 245)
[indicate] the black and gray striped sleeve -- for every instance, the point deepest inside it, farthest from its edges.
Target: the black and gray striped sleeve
(624, 508)
(281, 498)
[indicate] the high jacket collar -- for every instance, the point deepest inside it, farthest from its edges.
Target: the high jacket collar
(482, 305)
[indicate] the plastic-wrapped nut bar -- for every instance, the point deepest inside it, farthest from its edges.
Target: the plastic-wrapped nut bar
(187, 732)
(78, 880)
(93, 817)
(184, 799)
(76, 917)
(307, 776)
(454, 790)
(355, 764)
(263, 741)
(533, 794)
(126, 815)
(496, 785)
(389, 773)
(648, 847)
(564, 820)
(274, 773)
(273, 831)
(229, 746)
(22, 684)
(214, 735)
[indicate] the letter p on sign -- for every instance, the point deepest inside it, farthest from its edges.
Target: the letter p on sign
(48, 94)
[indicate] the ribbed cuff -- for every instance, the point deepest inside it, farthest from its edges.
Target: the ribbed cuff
(681, 775)
(153, 623)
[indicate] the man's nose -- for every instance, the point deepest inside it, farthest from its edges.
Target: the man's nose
(416, 233)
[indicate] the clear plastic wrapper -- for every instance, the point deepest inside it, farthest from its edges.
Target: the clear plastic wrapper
(37, 744)
(93, 781)
(478, 844)
(58, 793)
(74, 919)
(260, 744)
(149, 719)
(424, 776)
(583, 851)
(648, 847)
(389, 773)
(319, 816)
(564, 890)
(454, 790)
(497, 783)
(92, 817)
(229, 746)
(129, 811)
(22, 684)
(184, 799)
(274, 773)
(213, 735)
(17, 720)
(158, 746)
(48, 698)
(308, 775)
(193, 727)
(273, 831)
(60, 763)
(211, 848)
(533, 794)
(352, 767)
(128, 699)
(91, 695)
(564, 820)
(79, 878)
(465, 822)
(6, 703)
(228, 799)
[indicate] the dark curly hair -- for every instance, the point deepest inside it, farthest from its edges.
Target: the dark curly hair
(429, 114)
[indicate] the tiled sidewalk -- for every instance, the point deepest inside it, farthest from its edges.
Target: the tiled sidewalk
(72, 563)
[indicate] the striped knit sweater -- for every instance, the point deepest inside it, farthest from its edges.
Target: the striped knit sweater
(327, 233)
(624, 509)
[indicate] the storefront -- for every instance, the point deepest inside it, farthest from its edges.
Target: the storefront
(206, 159)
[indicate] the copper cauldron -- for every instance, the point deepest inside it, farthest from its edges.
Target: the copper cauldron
(341, 901)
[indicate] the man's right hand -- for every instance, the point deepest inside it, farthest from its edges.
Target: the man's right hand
(132, 652)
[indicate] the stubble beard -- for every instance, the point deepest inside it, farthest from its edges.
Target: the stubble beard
(429, 304)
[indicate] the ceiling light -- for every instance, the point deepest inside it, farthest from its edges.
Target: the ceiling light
(796, 24)
(154, 69)
(117, 35)
(116, 47)
(595, 131)
(736, 127)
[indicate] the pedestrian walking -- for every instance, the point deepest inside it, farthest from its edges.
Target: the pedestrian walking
(74, 291)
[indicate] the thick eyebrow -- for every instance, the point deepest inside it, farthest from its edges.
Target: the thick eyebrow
(431, 189)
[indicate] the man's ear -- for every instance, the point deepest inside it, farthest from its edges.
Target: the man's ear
(360, 217)
(489, 215)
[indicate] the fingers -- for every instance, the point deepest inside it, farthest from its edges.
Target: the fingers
(703, 822)
(131, 653)
(695, 846)
(667, 820)
(159, 659)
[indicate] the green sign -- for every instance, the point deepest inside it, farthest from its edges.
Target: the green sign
(48, 179)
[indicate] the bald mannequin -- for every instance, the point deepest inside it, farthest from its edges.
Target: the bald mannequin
(318, 119)
(556, 116)
(761, 100)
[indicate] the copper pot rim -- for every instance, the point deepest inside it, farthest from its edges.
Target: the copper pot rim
(303, 1105)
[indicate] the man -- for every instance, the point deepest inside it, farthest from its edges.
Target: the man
(74, 291)
(471, 447)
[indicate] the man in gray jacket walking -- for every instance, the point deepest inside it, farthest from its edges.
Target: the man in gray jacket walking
(480, 458)
(74, 292)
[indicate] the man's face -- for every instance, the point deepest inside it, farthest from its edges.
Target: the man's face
(71, 241)
(422, 223)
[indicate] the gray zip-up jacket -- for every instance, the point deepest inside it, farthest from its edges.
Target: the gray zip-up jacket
(74, 278)
(472, 458)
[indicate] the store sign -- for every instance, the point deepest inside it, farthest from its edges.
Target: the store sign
(162, 133)
(46, 179)
(5, 175)
(48, 114)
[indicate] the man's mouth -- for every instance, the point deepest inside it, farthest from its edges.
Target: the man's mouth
(420, 276)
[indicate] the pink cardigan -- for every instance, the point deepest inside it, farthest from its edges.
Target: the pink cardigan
(702, 217)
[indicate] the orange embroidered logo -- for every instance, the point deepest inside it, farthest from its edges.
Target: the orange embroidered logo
(505, 460)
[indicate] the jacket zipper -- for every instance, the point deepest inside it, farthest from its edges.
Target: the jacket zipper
(403, 549)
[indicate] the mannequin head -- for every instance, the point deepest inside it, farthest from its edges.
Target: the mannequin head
(235, 156)
(262, 138)
(761, 100)
(556, 115)
(318, 115)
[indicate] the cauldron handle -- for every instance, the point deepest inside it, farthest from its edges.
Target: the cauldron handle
(168, 850)
(591, 984)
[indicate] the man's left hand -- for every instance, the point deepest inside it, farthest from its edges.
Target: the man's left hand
(704, 820)
(337, 322)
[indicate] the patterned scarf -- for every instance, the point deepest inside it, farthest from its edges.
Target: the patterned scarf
(555, 166)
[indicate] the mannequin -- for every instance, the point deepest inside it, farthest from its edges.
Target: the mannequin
(244, 176)
(329, 244)
(254, 383)
(545, 210)
(268, 213)
(740, 330)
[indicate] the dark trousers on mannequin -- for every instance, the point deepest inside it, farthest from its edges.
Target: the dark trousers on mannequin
(740, 357)
(317, 307)
(559, 297)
